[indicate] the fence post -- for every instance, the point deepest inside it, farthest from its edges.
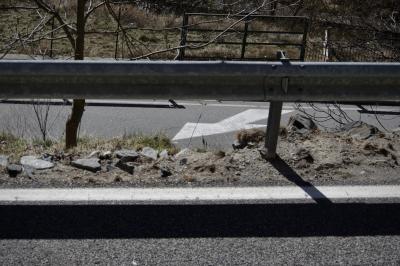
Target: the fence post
(117, 37)
(184, 29)
(304, 41)
(51, 38)
(246, 26)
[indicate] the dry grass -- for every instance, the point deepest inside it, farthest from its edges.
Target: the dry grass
(139, 24)
(17, 147)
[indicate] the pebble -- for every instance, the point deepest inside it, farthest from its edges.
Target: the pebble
(14, 169)
(149, 153)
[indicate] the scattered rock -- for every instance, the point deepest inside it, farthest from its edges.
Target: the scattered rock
(304, 154)
(360, 130)
(118, 179)
(201, 168)
(237, 157)
(236, 145)
(165, 172)
(163, 154)
(149, 153)
(14, 169)
(105, 155)
(91, 164)
(283, 132)
(30, 172)
(220, 154)
(3, 160)
(110, 167)
(127, 155)
(183, 153)
(94, 154)
(301, 124)
(35, 163)
(128, 167)
(183, 161)
(47, 157)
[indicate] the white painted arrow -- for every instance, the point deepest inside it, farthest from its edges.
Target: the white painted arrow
(233, 123)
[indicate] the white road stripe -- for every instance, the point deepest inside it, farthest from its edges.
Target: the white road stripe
(196, 194)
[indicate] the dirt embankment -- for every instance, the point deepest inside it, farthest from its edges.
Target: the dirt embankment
(360, 154)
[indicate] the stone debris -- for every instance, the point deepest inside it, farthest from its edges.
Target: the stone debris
(163, 154)
(183, 153)
(149, 153)
(91, 164)
(206, 167)
(301, 124)
(360, 130)
(128, 155)
(94, 154)
(110, 167)
(236, 145)
(3, 160)
(35, 163)
(303, 158)
(47, 157)
(105, 155)
(165, 172)
(128, 167)
(14, 169)
(29, 171)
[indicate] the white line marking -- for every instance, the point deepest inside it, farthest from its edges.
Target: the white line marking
(233, 123)
(196, 194)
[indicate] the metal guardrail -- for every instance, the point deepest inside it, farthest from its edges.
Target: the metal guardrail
(276, 82)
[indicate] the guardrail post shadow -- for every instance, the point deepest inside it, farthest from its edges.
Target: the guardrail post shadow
(272, 134)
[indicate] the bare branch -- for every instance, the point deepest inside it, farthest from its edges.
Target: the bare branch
(92, 9)
(65, 27)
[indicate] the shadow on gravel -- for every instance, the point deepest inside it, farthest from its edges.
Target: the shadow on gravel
(285, 170)
(191, 221)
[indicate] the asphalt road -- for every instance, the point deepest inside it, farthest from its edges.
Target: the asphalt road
(258, 234)
(153, 117)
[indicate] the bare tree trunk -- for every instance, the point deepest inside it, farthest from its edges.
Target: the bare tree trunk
(78, 107)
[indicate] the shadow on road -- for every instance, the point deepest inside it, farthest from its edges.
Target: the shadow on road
(191, 221)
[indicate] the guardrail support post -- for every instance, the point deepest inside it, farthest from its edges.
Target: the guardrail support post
(274, 121)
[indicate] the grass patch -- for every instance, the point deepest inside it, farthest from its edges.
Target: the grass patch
(158, 141)
(13, 146)
(16, 147)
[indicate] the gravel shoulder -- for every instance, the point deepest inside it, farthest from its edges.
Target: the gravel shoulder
(319, 158)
